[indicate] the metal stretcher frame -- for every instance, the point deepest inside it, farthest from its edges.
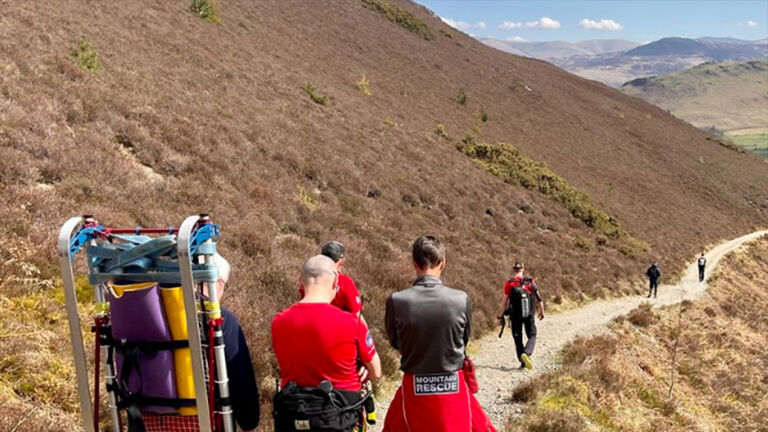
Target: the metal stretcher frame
(79, 231)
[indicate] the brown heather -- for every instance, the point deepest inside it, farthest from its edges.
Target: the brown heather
(187, 116)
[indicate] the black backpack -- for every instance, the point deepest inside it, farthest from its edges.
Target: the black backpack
(321, 408)
(521, 302)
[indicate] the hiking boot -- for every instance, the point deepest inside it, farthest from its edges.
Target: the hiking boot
(526, 361)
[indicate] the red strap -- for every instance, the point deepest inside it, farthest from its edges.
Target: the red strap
(98, 322)
(211, 372)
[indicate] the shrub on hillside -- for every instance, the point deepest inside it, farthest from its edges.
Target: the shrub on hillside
(441, 131)
(364, 85)
(643, 315)
(314, 94)
(400, 16)
(513, 166)
(206, 9)
(578, 351)
(86, 56)
(461, 98)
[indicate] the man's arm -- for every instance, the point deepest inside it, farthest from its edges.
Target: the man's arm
(389, 323)
(371, 369)
(504, 302)
(367, 354)
(468, 327)
(349, 296)
(539, 300)
(244, 393)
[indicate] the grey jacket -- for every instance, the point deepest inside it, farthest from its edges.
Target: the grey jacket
(430, 325)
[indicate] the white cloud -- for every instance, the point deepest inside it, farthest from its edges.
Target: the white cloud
(603, 24)
(508, 25)
(751, 23)
(545, 23)
(517, 39)
(463, 25)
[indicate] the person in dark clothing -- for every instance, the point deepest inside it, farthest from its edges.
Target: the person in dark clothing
(520, 289)
(702, 266)
(654, 274)
(430, 325)
(243, 391)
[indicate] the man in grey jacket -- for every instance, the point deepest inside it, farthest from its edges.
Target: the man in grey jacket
(430, 325)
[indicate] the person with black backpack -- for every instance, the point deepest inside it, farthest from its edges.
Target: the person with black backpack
(654, 274)
(702, 266)
(521, 298)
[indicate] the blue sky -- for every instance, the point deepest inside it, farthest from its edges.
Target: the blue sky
(637, 20)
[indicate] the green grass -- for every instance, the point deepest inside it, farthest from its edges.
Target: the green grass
(206, 9)
(750, 141)
(314, 94)
(513, 166)
(86, 56)
(400, 16)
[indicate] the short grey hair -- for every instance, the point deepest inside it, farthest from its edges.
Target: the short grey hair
(222, 267)
(316, 267)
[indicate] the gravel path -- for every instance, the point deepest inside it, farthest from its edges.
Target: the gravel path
(497, 371)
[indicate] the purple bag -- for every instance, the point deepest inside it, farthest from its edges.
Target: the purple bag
(138, 316)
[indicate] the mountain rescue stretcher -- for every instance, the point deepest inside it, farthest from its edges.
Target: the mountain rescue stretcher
(157, 335)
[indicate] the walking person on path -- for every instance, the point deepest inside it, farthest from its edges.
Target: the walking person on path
(654, 274)
(521, 297)
(702, 266)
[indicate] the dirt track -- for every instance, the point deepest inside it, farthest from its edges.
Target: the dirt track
(497, 371)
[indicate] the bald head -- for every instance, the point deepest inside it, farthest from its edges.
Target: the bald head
(318, 277)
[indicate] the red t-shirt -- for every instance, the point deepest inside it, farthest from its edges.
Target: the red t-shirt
(316, 341)
(348, 297)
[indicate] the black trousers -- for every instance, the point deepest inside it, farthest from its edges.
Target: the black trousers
(701, 273)
(516, 325)
(654, 287)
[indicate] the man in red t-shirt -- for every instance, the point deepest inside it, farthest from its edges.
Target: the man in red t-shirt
(348, 297)
(314, 341)
(519, 319)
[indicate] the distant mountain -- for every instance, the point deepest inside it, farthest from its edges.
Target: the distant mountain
(503, 46)
(603, 46)
(559, 49)
(670, 46)
(660, 57)
(712, 48)
(727, 95)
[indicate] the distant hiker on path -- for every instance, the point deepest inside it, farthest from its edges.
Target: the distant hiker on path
(244, 394)
(702, 265)
(521, 297)
(654, 274)
(317, 347)
(348, 297)
(430, 325)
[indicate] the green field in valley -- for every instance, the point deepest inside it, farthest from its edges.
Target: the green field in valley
(755, 139)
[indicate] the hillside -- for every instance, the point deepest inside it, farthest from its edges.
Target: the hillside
(661, 57)
(727, 95)
(713, 347)
(144, 113)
